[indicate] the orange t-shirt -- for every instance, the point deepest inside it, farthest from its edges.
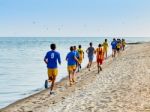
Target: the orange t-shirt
(100, 53)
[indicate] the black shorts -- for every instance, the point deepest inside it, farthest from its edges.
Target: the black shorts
(118, 49)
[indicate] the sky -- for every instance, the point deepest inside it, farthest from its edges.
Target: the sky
(74, 18)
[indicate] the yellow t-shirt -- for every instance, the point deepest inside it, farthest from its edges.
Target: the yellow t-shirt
(105, 46)
(123, 43)
(80, 51)
(118, 45)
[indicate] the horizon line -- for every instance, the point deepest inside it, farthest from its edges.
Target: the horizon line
(76, 36)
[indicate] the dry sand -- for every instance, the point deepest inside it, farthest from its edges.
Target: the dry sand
(122, 86)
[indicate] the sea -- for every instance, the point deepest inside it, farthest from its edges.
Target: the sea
(22, 69)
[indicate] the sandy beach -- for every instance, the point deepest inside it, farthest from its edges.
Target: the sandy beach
(122, 86)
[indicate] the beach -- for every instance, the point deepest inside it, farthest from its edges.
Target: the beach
(122, 86)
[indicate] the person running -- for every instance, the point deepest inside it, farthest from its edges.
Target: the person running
(105, 46)
(90, 52)
(77, 56)
(114, 44)
(51, 59)
(118, 46)
(81, 56)
(100, 57)
(123, 44)
(71, 59)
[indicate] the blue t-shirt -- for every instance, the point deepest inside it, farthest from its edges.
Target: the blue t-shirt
(52, 57)
(114, 44)
(76, 54)
(90, 51)
(70, 58)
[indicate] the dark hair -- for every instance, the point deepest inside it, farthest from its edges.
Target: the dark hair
(114, 39)
(105, 40)
(99, 45)
(53, 46)
(71, 48)
(79, 46)
(90, 43)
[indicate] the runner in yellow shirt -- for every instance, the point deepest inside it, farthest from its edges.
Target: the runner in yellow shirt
(118, 45)
(123, 44)
(105, 46)
(81, 56)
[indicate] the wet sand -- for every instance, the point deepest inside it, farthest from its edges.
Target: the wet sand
(122, 86)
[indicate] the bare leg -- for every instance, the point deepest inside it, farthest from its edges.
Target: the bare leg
(114, 53)
(70, 78)
(78, 67)
(98, 66)
(50, 79)
(90, 64)
(73, 76)
(52, 85)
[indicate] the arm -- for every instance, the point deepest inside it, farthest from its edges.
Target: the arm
(67, 57)
(76, 59)
(111, 43)
(87, 51)
(59, 59)
(77, 55)
(45, 59)
(103, 44)
(83, 54)
(95, 51)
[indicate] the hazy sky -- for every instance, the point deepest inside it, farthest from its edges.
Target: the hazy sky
(74, 18)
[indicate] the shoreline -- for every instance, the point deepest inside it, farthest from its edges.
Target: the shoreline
(62, 89)
(63, 80)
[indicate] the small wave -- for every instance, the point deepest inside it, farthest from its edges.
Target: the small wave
(32, 91)
(9, 92)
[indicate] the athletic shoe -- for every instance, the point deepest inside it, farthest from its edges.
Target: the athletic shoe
(52, 93)
(46, 84)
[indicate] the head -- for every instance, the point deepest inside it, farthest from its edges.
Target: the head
(53, 46)
(71, 48)
(74, 47)
(105, 40)
(114, 39)
(99, 45)
(79, 46)
(91, 44)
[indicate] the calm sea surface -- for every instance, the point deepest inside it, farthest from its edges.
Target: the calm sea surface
(22, 70)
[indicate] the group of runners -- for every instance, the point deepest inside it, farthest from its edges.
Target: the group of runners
(75, 57)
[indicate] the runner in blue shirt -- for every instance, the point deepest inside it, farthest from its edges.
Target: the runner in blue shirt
(90, 52)
(114, 46)
(77, 56)
(51, 59)
(71, 59)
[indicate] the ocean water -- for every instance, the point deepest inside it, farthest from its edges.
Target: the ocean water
(22, 69)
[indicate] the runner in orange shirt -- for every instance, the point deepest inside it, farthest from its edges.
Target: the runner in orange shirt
(100, 57)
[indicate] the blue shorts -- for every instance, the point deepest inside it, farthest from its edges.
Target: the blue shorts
(90, 58)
